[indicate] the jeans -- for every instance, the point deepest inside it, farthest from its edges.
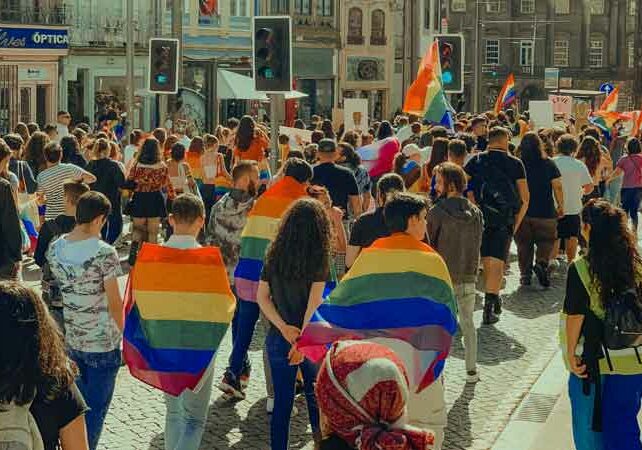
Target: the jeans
(208, 192)
(582, 414)
(243, 323)
(620, 408)
(533, 232)
(187, 415)
(631, 203)
(284, 376)
(465, 293)
(427, 410)
(113, 227)
(96, 382)
(612, 192)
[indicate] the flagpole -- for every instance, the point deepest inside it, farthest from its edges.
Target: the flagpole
(477, 69)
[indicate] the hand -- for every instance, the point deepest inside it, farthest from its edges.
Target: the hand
(41, 198)
(577, 367)
(290, 333)
(560, 212)
(295, 356)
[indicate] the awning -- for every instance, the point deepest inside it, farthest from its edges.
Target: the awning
(232, 85)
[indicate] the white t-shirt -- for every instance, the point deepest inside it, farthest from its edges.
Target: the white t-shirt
(128, 153)
(575, 175)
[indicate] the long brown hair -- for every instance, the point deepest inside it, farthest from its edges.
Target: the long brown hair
(34, 151)
(32, 357)
(590, 152)
(301, 250)
(245, 133)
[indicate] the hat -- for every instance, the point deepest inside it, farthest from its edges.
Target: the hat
(410, 150)
(327, 145)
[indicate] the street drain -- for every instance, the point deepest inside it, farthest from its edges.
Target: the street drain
(536, 408)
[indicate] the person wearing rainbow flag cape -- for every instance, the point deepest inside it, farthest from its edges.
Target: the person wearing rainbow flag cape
(397, 293)
(260, 230)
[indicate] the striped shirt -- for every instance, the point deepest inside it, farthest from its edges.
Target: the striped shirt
(50, 182)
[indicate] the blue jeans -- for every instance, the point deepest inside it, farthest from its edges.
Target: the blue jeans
(187, 415)
(631, 198)
(582, 412)
(612, 192)
(284, 379)
(113, 227)
(243, 324)
(96, 382)
(620, 408)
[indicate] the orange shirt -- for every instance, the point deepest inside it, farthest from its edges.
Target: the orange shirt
(256, 151)
(194, 161)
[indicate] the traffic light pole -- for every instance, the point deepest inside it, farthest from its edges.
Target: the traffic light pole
(477, 69)
(131, 85)
(274, 130)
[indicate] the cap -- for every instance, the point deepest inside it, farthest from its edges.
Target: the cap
(410, 150)
(327, 145)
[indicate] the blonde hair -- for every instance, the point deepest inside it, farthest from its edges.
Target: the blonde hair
(101, 148)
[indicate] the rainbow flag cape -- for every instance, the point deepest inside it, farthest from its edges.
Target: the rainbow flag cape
(260, 230)
(379, 156)
(178, 306)
(507, 95)
(610, 102)
(398, 293)
(426, 96)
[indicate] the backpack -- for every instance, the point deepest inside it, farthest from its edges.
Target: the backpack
(498, 197)
(50, 289)
(623, 321)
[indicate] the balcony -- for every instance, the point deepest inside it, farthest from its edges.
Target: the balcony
(56, 15)
(108, 31)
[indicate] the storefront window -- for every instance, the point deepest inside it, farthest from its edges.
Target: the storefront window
(111, 95)
(320, 98)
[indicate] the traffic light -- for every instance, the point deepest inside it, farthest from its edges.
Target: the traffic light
(451, 56)
(163, 65)
(272, 54)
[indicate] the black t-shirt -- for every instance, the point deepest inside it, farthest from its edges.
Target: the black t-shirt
(49, 231)
(539, 175)
(512, 167)
(109, 179)
(481, 144)
(368, 228)
(290, 297)
(339, 181)
(54, 415)
(576, 301)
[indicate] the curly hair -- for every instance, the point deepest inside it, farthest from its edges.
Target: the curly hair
(150, 152)
(35, 151)
(35, 361)
(613, 258)
(301, 250)
(590, 153)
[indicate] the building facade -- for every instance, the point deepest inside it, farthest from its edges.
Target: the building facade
(316, 41)
(34, 38)
(366, 62)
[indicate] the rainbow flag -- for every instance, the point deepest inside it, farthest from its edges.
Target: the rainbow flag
(426, 96)
(379, 156)
(178, 306)
(610, 102)
(260, 230)
(398, 293)
(507, 95)
(605, 120)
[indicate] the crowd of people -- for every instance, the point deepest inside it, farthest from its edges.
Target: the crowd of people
(469, 193)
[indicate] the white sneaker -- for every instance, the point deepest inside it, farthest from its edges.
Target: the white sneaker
(472, 377)
(269, 407)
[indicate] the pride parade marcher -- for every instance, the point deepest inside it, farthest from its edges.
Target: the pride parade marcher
(259, 232)
(399, 291)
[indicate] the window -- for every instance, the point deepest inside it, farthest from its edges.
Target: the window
(494, 6)
(633, 7)
(302, 7)
(596, 53)
(324, 8)
(492, 51)
(630, 52)
(458, 5)
(240, 8)
(562, 6)
(378, 28)
(597, 7)
(526, 53)
(280, 6)
(560, 53)
(355, 26)
(527, 6)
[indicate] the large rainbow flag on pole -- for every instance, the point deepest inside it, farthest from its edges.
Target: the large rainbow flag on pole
(610, 102)
(426, 96)
(397, 293)
(260, 230)
(507, 95)
(178, 306)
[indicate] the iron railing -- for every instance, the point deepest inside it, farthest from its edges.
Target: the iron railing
(55, 15)
(8, 98)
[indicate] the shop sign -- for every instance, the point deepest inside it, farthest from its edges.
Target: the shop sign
(34, 73)
(34, 38)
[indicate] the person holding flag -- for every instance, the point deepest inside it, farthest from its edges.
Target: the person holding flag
(507, 95)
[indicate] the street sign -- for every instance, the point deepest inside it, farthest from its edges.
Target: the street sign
(551, 78)
(607, 88)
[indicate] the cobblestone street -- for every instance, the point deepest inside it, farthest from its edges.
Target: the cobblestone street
(511, 357)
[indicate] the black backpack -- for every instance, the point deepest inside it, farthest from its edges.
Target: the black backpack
(623, 321)
(498, 197)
